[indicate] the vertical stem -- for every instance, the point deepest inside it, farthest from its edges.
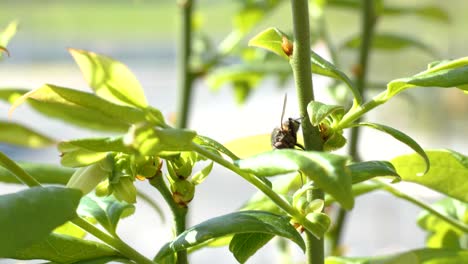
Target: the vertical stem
(367, 26)
(301, 65)
(184, 76)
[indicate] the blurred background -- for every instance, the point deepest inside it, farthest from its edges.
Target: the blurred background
(143, 35)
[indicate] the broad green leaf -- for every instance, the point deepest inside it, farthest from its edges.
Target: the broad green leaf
(325, 68)
(6, 35)
(211, 143)
(447, 74)
(81, 157)
(29, 216)
(17, 134)
(244, 245)
(103, 260)
(150, 141)
(400, 136)
(363, 171)
(427, 11)
(80, 108)
(106, 210)
(9, 95)
(70, 229)
(417, 256)
(328, 171)
(270, 39)
(390, 42)
(64, 249)
(44, 173)
(440, 233)
(110, 79)
(318, 112)
(104, 144)
(233, 223)
(448, 173)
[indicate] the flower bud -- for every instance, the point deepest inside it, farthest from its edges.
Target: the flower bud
(125, 190)
(182, 192)
(87, 178)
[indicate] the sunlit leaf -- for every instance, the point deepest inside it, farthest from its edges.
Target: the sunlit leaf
(390, 42)
(17, 134)
(44, 173)
(110, 79)
(234, 223)
(70, 229)
(400, 136)
(447, 74)
(440, 233)
(29, 216)
(448, 173)
(363, 171)
(328, 171)
(103, 260)
(318, 111)
(418, 256)
(248, 146)
(244, 245)
(6, 35)
(106, 210)
(270, 39)
(211, 143)
(64, 249)
(80, 108)
(200, 176)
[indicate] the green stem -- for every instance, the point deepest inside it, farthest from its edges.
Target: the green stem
(262, 186)
(367, 26)
(457, 224)
(179, 213)
(18, 172)
(184, 76)
(301, 65)
(116, 243)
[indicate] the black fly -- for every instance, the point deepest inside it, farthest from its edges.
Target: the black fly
(285, 136)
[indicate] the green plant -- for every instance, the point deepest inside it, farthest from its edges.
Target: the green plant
(100, 188)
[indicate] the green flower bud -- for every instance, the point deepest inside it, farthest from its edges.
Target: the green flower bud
(87, 178)
(103, 189)
(125, 190)
(183, 192)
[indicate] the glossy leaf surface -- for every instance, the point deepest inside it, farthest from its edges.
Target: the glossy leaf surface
(29, 216)
(80, 108)
(402, 137)
(20, 135)
(243, 246)
(448, 173)
(318, 111)
(64, 249)
(363, 171)
(234, 223)
(328, 171)
(109, 79)
(106, 210)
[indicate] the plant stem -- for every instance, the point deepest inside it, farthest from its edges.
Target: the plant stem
(184, 75)
(259, 184)
(18, 172)
(116, 243)
(179, 213)
(457, 224)
(301, 65)
(367, 26)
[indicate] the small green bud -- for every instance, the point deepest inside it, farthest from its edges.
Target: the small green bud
(87, 178)
(182, 192)
(125, 190)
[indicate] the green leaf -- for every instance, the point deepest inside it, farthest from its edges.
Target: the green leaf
(64, 249)
(110, 79)
(150, 141)
(328, 171)
(9, 95)
(325, 68)
(244, 245)
(44, 173)
(104, 144)
(234, 223)
(418, 256)
(106, 210)
(211, 143)
(29, 216)
(17, 134)
(103, 260)
(363, 171)
(428, 12)
(70, 229)
(200, 176)
(448, 173)
(400, 136)
(440, 233)
(6, 35)
(390, 42)
(80, 108)
(447, 74)
(270, 39)
(318, 111)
